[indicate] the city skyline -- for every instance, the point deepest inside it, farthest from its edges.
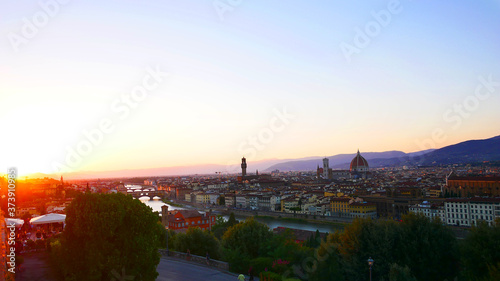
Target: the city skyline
(146, 85)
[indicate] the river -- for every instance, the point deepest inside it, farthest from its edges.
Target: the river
(272, 223)
(155, 204)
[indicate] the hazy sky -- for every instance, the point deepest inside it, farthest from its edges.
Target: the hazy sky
(83, 84)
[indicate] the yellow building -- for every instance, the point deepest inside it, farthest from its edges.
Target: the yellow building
(203, 198)
(340, 206)
(434, 192)
(363, 210)
(331, 194)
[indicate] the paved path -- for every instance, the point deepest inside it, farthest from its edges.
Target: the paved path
(35, 268)
(178, 270)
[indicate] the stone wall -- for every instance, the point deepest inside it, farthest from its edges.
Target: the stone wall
(310, 218)
(195, 259)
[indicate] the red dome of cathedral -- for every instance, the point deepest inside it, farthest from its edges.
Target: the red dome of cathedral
(359, 163)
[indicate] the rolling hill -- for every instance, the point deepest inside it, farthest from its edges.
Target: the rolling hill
(472, 151)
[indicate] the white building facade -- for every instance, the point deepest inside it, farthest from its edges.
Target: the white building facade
(430, 210)
(471, 211)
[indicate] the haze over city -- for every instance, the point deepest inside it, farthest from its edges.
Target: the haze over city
(135, 85)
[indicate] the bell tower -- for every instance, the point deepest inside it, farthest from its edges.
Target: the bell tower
(326, 167)
(243, 167)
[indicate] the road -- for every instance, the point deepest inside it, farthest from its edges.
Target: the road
(35, 268)
(175, 270)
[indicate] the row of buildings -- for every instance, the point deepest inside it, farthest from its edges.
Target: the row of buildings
(357, 192)
(461, 211)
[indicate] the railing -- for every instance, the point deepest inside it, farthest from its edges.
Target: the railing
(195, 259)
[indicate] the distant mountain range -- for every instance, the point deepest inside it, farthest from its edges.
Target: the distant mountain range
(472, 151)
(342, 161)
(465, 152)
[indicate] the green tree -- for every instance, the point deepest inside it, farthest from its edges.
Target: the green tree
(71, 193)
(110, 234)
(171, 239)
(428, 248)
(222, 225)
(399, 273)
(363, 239)
(198, 242)
(283, 246)
(248, 238)
(232, 220)
(328, 261)
(219, 221)
(493, 273)
(317, 239)
(314, 240)
(481, 251)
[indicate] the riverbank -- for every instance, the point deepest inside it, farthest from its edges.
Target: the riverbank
(301, 220)
(171, 203)
(281, 215)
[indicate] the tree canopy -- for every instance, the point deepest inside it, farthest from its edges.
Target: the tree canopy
(111, 235)
(248, 237)
(481, 252)
(417, 248)
(198, 242)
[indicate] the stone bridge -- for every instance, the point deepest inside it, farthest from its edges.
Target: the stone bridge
(147, 192)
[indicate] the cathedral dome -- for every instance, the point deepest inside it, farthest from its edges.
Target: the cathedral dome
(359, 163)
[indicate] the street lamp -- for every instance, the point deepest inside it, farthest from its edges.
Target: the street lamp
(164, 220)
(370, 263)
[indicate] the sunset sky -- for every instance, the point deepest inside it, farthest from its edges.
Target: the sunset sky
(264, 79)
